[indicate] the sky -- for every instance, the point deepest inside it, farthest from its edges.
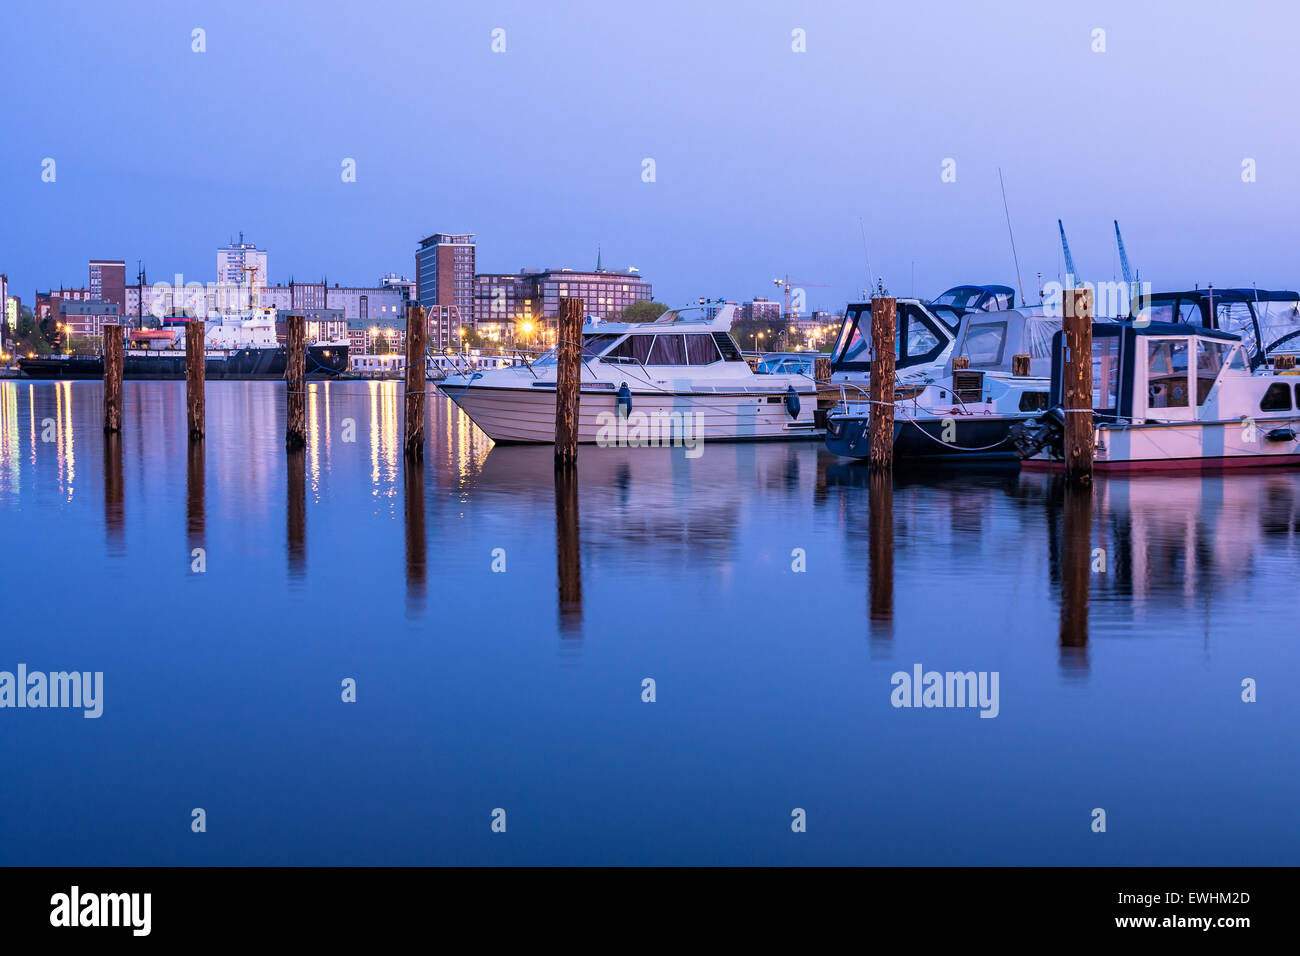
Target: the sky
(767, 161)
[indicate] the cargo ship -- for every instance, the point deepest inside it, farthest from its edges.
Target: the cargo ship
(241, 345)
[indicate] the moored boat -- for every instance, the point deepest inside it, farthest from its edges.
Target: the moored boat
(1169, 396)
(677, 378)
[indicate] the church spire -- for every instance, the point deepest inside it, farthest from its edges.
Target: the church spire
(598, 268)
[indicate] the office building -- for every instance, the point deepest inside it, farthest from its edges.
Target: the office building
(444, 277)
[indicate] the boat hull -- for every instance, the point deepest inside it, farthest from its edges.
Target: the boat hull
(974, 438)
(527, 415)
(1190, 446)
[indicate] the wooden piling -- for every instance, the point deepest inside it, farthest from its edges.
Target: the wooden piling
(112, 378)
(880, 454)
(960, 362)
(567, 383)
(1020, 364)
(295, 375)
(1283, 362)
(1077, 382)
(195, 362)
(417, 337)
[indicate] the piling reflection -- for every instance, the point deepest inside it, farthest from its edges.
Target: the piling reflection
(416, 544)
(114, 495)
(568, 552)
(296, 499)
(195, 493)
(880, 547)
(1076, 577)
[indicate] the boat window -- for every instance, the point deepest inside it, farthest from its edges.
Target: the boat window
(920, 340)
(701, 350)
(593, 345)
(1276, 399)
(1037, 401)
(1235, 317)
(634, 349)
(985, 343)
(727, 345)
(1210, 359)
(668, 350)
(1105, 372)
(1277, 320)
(1167, 373)
(962, 297)
(853, 347)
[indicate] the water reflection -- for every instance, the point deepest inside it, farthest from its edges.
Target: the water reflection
(416, 546)
(1076, 576)
(568, 552)
(880, 589)
(114, 495)
(296, 506)
(195, 494)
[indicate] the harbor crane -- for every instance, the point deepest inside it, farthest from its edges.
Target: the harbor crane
(789, 284)
(1065, 247)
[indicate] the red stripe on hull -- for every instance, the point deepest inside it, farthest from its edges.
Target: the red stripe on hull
(1173, 464)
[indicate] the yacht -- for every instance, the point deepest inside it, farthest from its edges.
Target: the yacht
(1169, 396)
(682, 372)
(997, 373)
(1268, 321)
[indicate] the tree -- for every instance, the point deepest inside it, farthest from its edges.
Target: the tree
(643, 312)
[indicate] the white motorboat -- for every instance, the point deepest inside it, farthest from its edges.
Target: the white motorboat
(677, 380)
(1170, 396)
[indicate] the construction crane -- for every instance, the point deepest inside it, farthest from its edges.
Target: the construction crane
(789, 284)
(1065, 247)
(1123, 256)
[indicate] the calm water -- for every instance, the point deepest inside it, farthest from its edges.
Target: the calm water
(521, 690)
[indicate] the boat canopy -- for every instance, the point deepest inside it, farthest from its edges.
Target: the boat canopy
(990, 298)
(1265, 319)
(920, 336)
(991, 339)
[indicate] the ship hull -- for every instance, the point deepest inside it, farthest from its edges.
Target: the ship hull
(323, 361)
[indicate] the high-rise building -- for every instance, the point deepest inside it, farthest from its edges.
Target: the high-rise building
(444, 277)
(604, 294)
(241, 263)
(4, 299)
(107, 281)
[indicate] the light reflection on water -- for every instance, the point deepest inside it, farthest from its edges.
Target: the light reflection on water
(1120, 687)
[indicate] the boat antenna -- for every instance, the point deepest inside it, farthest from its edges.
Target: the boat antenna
(1014, 257)
(865, 251)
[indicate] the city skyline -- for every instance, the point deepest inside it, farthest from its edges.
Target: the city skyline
(776, 149)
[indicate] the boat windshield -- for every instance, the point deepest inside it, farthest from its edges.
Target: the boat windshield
(1277, 321)
(592, 345)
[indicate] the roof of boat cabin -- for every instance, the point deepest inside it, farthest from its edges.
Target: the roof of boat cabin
(1227, 295)
(1162, 328)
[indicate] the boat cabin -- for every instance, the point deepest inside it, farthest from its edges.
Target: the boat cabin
(1267, 321)
(989, 341)
(1170, 372)
(921, 335)
(786, 363)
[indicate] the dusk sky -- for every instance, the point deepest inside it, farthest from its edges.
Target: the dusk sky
(765, 158)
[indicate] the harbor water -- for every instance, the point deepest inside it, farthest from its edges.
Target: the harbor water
(504, 629)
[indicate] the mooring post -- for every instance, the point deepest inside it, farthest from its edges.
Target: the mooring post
(295, 375)
(567, 382)
(417, 334)
(195, 361)
(1077, 381)
(112, 378)
(880, 453)
(1020, 364)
